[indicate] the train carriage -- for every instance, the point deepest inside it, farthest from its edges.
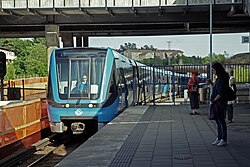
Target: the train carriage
(111, 79)
(91, 85)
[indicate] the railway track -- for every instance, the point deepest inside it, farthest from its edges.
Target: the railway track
(54, 152)
(42, 158)
(47, 152)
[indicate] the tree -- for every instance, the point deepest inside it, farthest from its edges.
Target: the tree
(215, 58)
(145, 47)
(31, 56)
(37, 54)
(127, 46)
(157, 61)
(10, 72)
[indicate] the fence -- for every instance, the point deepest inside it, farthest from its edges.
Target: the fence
(7, 4)
(22, 124)
(24, 89)
(168, 84)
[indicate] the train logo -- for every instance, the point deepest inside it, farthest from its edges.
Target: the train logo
(78, 112)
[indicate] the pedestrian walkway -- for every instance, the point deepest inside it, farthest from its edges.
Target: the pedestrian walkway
(165, 136)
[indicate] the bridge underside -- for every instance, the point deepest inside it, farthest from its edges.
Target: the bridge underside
(124, 21)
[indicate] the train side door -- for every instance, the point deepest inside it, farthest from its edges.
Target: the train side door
(122, 92)
(136, 86)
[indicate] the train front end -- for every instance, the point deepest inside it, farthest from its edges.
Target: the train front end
(80, 89)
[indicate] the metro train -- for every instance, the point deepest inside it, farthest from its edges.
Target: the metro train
(111, 81)
(91, 85)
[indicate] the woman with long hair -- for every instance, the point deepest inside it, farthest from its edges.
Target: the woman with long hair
(219, 99)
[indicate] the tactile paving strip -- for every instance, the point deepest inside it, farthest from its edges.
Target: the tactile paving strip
(125, 155)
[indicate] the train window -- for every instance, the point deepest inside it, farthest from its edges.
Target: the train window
(97, 68)
(112, 84)
(79, 77)
(90, 68)
(80, 69)
(62, 71)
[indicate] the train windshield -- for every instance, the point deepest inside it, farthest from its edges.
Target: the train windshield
(80, 73)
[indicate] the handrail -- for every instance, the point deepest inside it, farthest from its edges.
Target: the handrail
(50, 4)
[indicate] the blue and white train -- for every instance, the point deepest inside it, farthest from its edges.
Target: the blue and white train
(112, 82)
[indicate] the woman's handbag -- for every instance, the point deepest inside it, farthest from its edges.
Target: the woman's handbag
(213, 111)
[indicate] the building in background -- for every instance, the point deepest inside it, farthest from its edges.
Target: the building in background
(10, 56)
(141, 54)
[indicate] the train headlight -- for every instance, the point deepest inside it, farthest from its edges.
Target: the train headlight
(67, 105)
(91, 105)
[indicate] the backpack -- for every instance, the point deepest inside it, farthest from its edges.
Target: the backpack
(192, 85)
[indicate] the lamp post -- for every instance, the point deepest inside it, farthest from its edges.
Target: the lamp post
(169, 47)
(211, 42)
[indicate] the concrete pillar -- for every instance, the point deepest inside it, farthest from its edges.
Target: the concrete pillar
(85, 41)
(67, 39)
(52, 38)
(79, 41)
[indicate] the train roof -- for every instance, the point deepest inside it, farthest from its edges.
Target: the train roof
(70, 48)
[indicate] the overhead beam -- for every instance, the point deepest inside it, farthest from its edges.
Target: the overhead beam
(110, 12)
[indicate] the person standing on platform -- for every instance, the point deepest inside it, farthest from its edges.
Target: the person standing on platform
(219, 101)
(193, 87)
(231, 103)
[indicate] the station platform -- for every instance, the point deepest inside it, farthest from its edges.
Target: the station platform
(165, 136)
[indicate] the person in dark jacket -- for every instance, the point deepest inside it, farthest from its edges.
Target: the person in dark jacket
(219, 99)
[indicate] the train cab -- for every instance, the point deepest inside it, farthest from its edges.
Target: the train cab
(88, 85)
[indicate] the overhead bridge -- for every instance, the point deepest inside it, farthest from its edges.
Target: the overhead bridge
(32, 18)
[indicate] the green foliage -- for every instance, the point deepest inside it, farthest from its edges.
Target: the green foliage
(31, 57)
(133, 46)
(127, 46)
(191, 60)
(10, 72)
(157, 61)
(37, 60)
(215, 58)
(173, 60)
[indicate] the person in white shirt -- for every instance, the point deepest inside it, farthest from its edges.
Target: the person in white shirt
(231, 103)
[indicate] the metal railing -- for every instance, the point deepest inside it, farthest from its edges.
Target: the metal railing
(18, 4)
(167, 84)
(24, 92)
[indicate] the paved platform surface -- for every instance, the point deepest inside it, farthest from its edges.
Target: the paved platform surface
(165, 136)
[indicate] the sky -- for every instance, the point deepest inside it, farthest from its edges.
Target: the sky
(191, 45)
